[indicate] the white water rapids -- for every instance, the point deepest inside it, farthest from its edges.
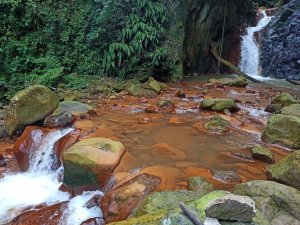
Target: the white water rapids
(250, 49)
(40, 185)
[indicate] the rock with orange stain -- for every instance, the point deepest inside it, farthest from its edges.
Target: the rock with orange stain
(119, 203)
(151, 109)
(166, 106)
(233, 121)
(27, 144)
(168, 175)
(91, 161)
(176, 120)
(167, 151)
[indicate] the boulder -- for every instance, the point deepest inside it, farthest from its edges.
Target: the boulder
(120, 202)
(154, 85)
(134, 88)
(226, 176)
(292, 110)
(283, 129)
(28, 106)
(278, 203)
(235, 82)
(217, 124)
(285, 99)
(200, 185)
(262, 154)
(91, 161)
(62, 119)
(286, 171)
(231, 207)
(162, 202)
(273, 108)
(218, 104)
(73, 107)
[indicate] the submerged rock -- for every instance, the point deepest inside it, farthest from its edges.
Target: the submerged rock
(292, 110)
(164, 150)
(73, 107)
(283, 129)
(231, 207)
(285, 99)
(278, 203)
(287, 170)
(91, 161)
(262, 154)
(200, 185)
(28, 106)
(218, 104)
(119, 203)
(235, 82)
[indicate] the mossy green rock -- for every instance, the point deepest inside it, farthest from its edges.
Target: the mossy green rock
(74, 107)
(154, 85)
(28, 106)
(134, 88)
(287, 170)
(234, 82)
(285, 99)
(218, 104)
(177, 218)
(283, 129)
(262, 154)
(200, 185)
(217, 124)
(143, 220)
(164, 201)
(292, 110)
(278, 203)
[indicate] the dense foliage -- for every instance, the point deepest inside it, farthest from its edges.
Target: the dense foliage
(50, 41)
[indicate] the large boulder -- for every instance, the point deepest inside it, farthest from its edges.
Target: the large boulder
(73, 107)
(91, 161)
(279, 204)
(120, 202)
(233, 82)
(287, 170)
(28, 106)
(292, 110)
(218, 104)
(283, 129)
(285, 99)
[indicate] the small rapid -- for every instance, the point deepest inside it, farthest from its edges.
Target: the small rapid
(40, 185)
(250, 49)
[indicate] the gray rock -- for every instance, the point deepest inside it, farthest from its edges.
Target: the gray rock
(226, 176)
(62, 119)
(74, 107)
(232, 207)
(3, 132)
(273, 108)
(200, 185)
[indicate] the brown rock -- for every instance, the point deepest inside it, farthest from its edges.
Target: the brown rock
(119, 203)
(180, 94)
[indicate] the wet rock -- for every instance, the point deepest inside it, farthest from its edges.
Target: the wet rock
(273, 108)
(226, 176)
(119, 203)
(235, 82)
(283, 129)
(292, 110)
(180, 94)
(164, 150)
(285, 99)
(231, 207)
(262, 154)
(27, 144)
(154, 85)
(62, 119)
(151, 109)
(200, 185)
(218, 104)
(159, 202)
(3, 132)
(91, 161)
(73, 107)
(278, 203)
(217, 124)
(165, 104)
(93, 221)
(134, 88)
(28, 106)
(286, 171)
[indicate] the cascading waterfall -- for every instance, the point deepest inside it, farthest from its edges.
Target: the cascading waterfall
(40, 185)
(250, 49)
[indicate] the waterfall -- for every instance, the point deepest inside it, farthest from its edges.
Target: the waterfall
(40, 185)
(250, 49)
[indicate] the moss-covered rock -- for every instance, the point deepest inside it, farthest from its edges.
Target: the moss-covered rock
(200, 185)
(74, 107)
(287, 170)
(283, 129)
(273, 108)
(292, 110)
(285, 99)
(154, 85)
(28, 106)
(233, 82)
(262, 154)
(143, 220)
(218, 104)
(217, 124)
(134, 88)
(278, 203)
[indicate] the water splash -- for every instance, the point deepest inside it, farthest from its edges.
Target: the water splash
(250, 49)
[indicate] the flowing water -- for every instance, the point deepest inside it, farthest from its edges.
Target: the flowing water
(40, 185)
(250, 48)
